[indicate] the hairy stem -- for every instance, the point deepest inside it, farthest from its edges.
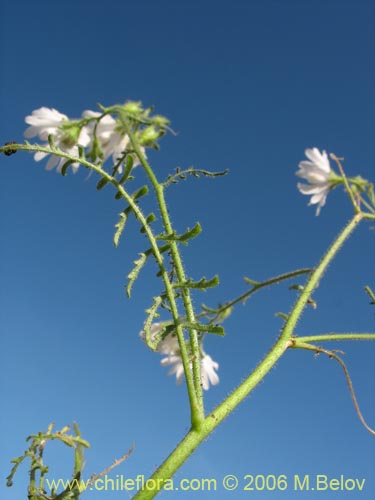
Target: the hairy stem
(197, 412)
(336, 336)
(195, 437)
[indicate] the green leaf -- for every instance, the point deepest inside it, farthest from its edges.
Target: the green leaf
(282, 315)
(152, 313)
(81, 152)
(81, 441)
(371, 195)
(251, 282)
(65, 167)
(183, 238)
(371, 294)
(202, 284)
(191, 233)
(299, 288)
(68, 440)
(224, 314)
(103, 182)
(162, 249)
(120, 226)
(149, 219)
(128, 168)
(133, 275)
(140, 192)
(51, 142)
(208, 309)
(215, 329)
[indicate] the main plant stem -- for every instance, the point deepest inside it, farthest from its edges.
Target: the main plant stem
(194, 437)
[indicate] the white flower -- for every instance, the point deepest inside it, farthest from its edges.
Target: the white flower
(317, 172)
(208, 367)
(113, 141)
(208, 373)
(170, 347)
(44, 122)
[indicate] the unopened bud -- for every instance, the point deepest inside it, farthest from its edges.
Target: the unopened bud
(133, 107)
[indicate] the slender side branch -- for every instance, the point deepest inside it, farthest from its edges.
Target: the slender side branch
(296, 344)
(336, 336)
(256, 286)
(115, 464)
(346, 183)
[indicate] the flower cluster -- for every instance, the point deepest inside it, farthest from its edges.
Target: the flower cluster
(169, 347)
(101, 134)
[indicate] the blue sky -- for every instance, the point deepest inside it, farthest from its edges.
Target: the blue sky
(248, 85)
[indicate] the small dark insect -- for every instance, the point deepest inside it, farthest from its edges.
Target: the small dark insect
(10, 152)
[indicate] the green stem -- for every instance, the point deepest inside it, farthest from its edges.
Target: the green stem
(346, 183)
(194, 437)
(367, 205)
(336, 336)
(197, 411)
(315, 277)
(371, 294)
(257, 286)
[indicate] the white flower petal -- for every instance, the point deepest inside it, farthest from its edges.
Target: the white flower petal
(169, 346)
(47, 121)
(106, 127)
(318, 158)
(208, 373)
(84, 137)
(311, 189)
(317, 173)
(39, 155)
(52, 162)
(319, 198)
(44, 121)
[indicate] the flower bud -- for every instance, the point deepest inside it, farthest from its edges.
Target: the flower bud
(71, 134)
(148, 136)
(132, 107)
(160, 121)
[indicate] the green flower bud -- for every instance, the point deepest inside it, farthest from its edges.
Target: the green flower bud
(148, 136)
(160, 121)
(132, 107)
(71, 133)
